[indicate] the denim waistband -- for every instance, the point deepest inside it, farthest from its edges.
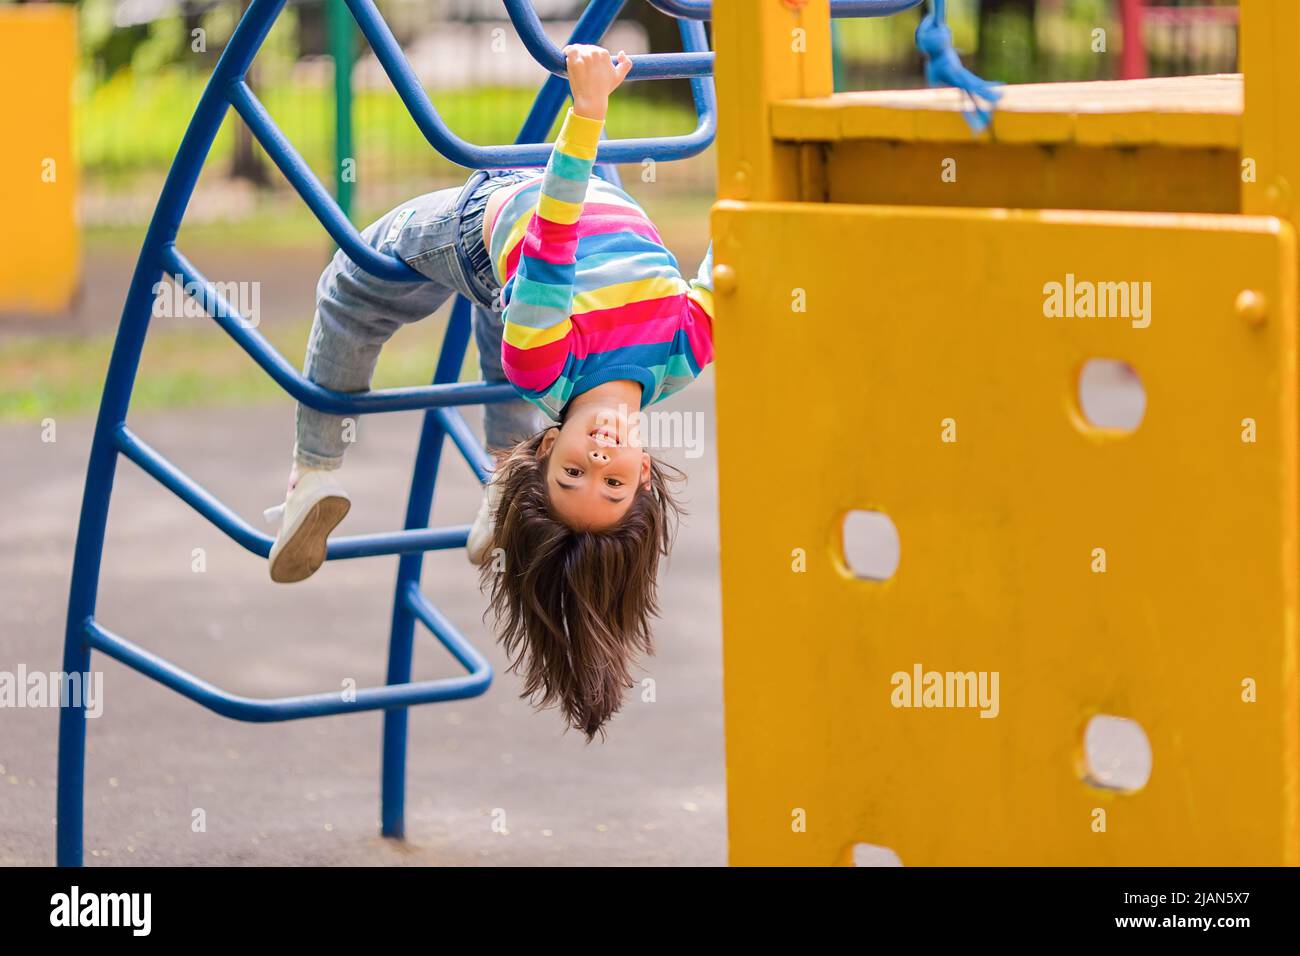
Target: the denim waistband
(471, 206)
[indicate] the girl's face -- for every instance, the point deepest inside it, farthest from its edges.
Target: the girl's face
(594, 466)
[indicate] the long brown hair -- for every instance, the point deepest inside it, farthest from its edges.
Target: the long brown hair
(573, 608)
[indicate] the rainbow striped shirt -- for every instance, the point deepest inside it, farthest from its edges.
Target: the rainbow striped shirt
(591, 295)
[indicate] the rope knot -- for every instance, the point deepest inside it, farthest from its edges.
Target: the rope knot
(943, 67)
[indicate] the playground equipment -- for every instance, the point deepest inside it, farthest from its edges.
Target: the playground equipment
(439, 401)
(40, 261)
(1148, 575)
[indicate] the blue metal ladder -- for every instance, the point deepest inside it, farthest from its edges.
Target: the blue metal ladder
(160, 257)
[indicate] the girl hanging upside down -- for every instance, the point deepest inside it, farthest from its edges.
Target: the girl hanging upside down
(581, 308)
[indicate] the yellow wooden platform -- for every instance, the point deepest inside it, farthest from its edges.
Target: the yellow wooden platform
(1163, 145)
(1194, 111)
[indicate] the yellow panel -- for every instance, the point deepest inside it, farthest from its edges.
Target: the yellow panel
(914, 316)
(39, 246)
(1192, 111)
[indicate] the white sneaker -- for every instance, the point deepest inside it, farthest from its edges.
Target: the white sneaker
(311, 511)
(480, 533)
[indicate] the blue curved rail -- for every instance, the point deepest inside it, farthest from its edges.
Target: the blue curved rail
(526, 152)
(703, 9)
(646, 66)
(327, 704)
(286, 375)
(159, 257)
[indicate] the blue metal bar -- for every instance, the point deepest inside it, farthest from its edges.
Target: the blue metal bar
(869, 8)
(189, 491)
(122, 367)
(442, 628)
(311, 705)
(458, 430)
(287, 376)
(315, 195)
(526, 153)
(406, 541)
(401, 640)
(646, 66)
(591, 26)
(703, 9)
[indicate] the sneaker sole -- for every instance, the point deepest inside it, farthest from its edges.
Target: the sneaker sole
(304, 552)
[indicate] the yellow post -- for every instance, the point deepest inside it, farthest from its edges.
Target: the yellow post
(767, 51)
(40, 244)
(1270, 52)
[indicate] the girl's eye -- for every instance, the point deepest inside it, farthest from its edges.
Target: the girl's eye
(613, 482)
(573, 472)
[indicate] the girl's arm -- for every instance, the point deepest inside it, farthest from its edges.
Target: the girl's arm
(700, 289)
(542, 295)
(697, 317)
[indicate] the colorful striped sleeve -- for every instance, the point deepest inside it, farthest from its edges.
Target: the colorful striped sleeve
(541, 300)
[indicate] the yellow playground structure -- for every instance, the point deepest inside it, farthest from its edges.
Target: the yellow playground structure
(903, 313)
(40, 242)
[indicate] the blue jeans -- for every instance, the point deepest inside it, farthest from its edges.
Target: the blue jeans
(439, 235)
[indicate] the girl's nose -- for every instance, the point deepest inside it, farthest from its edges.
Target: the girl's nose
(598, 456)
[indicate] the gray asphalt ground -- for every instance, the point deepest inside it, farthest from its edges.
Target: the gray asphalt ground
(307, 792)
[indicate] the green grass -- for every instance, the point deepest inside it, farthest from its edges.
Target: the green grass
(282, 221)
(133, 124)
(43, 375)
(51, 376)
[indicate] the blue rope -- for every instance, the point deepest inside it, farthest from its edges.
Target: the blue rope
(943, 67)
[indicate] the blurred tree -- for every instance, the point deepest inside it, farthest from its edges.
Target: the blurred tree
(661, 30)
(246, 161)
(108, 46)
(1007, 39)
(663, 37)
